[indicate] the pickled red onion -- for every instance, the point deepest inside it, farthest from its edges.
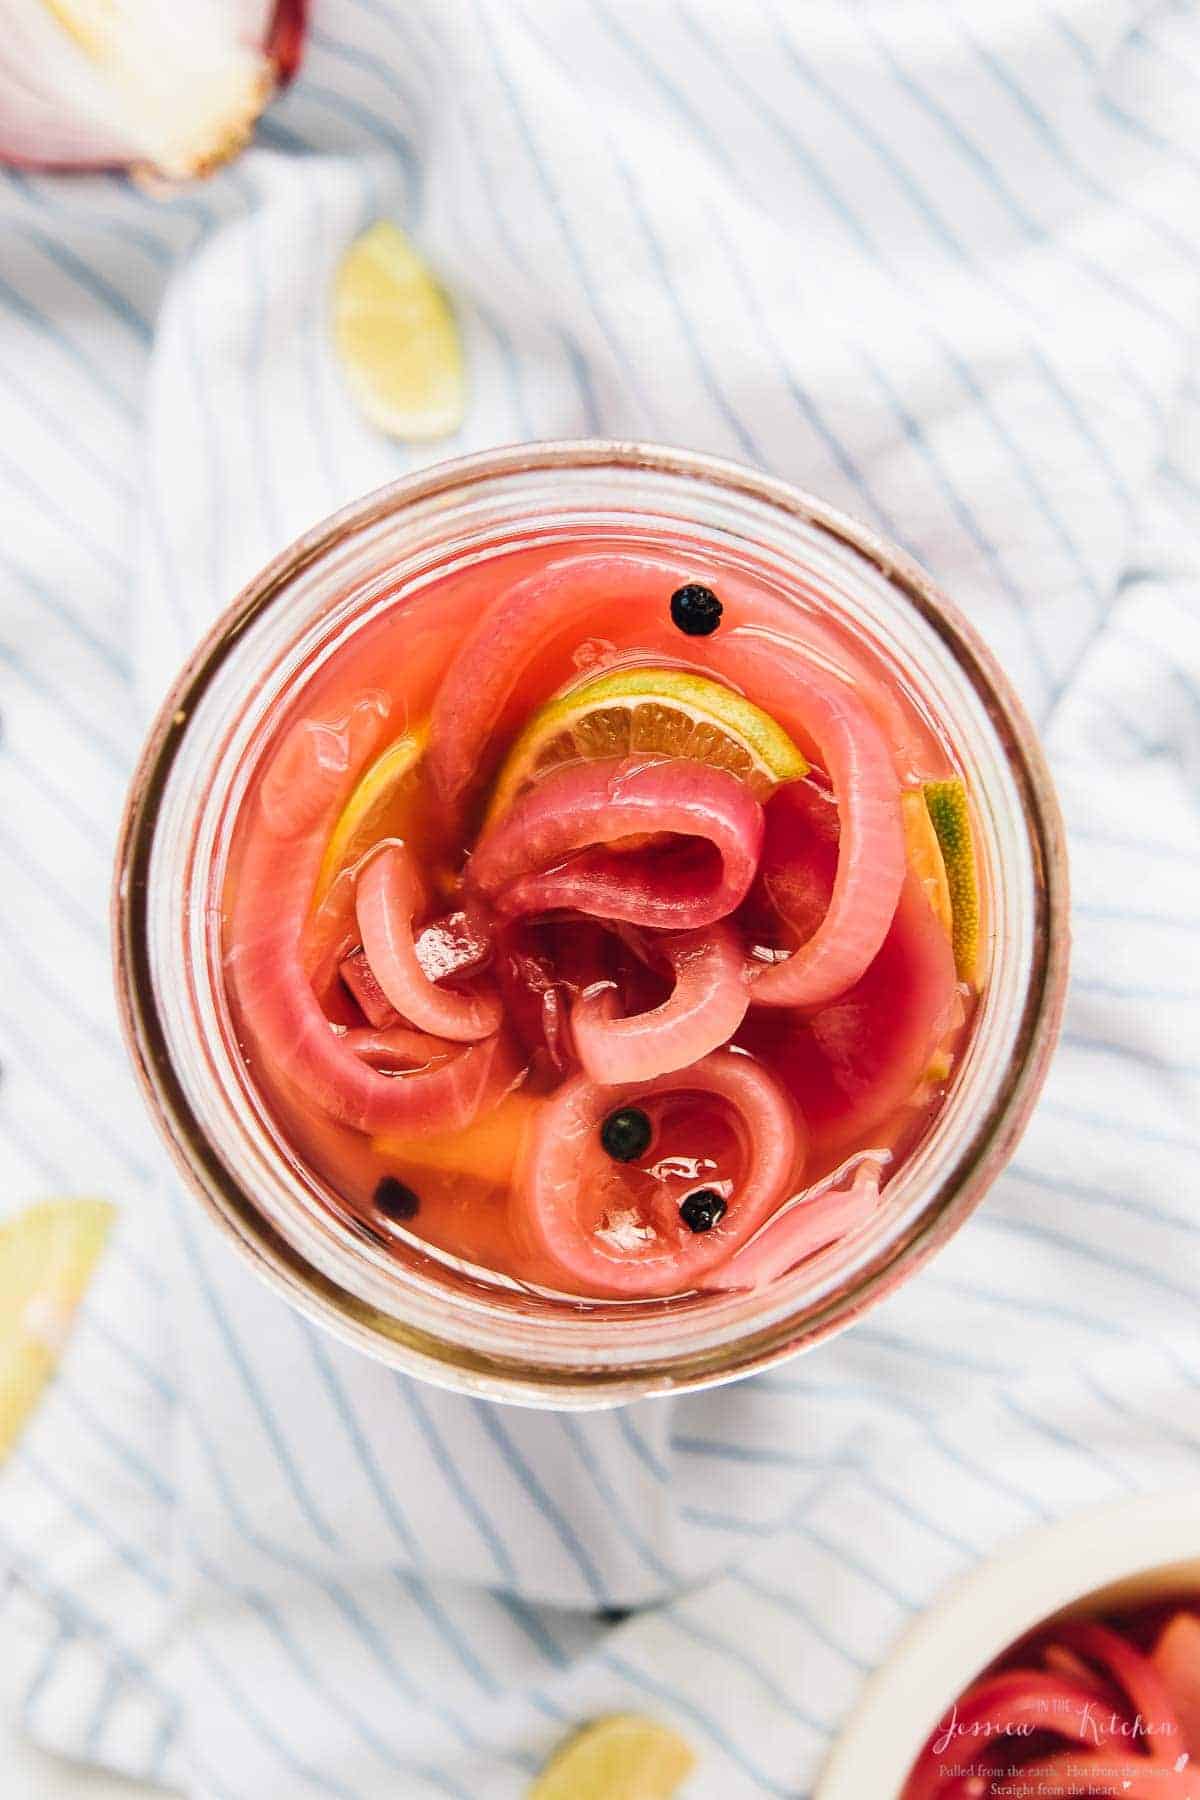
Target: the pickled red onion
(546, 851)
(489, 665)
(812, 702)
(389, 893)
(816, 1220)
(650, 1252)
(632, 591)
(305, 786)
(397, 1047)
(856, 759)
(366, 992)
(1004, 1702)
(705, 1008)
(1052, 1699)
(853, 1063)
(1133, 1673)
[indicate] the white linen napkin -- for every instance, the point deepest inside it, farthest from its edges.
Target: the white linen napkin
(935, 262)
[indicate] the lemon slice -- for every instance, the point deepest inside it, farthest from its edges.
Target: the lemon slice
(396, 338)
(386, 803)
(47, 1254)
(623, 1757)
(946, 802)
(670, 712)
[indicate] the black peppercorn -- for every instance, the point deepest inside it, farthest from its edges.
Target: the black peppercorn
(395, 1200)
(696, 609)
(626, 1134)
(703, 1209)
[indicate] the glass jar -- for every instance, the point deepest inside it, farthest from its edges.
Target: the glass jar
(437, 1320)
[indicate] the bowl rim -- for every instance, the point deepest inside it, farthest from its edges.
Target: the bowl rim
(1043, 1571)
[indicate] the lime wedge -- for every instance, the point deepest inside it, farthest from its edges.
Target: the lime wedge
(623, 1757)
(667, 712)
(386, 803)
(396, 338)
(47, 1254)
(951, 818)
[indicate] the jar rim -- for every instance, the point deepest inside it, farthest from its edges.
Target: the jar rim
(500, 1375)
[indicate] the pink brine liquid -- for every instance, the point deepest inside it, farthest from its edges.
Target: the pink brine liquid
(623, 991)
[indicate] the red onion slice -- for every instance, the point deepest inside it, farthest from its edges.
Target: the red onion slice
(366, 992)
(829, 1212)
(812, 703)
(853, 1063)
(1176, 1657)
(1010, 1705)
(625, 597)
(705, 1008)
(488, 666)
(631, 1250)
(558, 845)
(302, 792)
(1133, 1673)
(389, 893)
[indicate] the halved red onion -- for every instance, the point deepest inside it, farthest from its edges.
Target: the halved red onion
(303, 790)
(170, 90)
(559, 844)
(578, 1209)
(704, 1009)
(388, 896)
(815, 704)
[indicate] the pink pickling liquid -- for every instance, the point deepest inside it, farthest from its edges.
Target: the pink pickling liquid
(475, 1171)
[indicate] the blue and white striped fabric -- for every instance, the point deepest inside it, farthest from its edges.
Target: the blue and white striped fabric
(935, 261)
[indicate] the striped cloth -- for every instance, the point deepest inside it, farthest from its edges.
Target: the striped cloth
(937, 262)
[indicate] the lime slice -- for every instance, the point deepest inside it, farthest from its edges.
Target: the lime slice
(624, 1757)
(925, 857)
(396, 338)
(386, 803)
(951, 818)
(669, 712)
(47, 1254)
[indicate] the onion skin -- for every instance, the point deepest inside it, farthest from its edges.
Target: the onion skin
(284, 45)
(81, 144)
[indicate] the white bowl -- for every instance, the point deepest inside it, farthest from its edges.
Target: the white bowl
(1124, 1554)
